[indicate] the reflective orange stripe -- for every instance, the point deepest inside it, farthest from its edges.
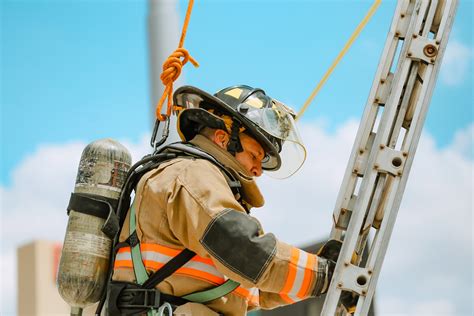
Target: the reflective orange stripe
(161, 249)
(155, 256)
(153, 265)
(204, 276)
(308, 276)
(301, 270)
(123, 264)
(291, 275)
(166, 251)
(253, 300)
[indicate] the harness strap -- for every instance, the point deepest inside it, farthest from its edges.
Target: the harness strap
(138, 267)
(169, 268)
(214, 293)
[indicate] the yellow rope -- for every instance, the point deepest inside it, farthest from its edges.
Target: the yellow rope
(349, 43)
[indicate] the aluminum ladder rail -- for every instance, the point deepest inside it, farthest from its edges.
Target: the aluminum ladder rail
(385, 145)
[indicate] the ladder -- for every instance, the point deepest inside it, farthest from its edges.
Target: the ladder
(384, 148)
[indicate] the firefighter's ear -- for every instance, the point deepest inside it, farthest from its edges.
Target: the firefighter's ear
(221, 138)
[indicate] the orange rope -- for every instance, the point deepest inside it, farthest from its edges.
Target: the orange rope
(172, 68)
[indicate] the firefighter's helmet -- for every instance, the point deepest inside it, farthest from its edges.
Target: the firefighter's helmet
(244, 109)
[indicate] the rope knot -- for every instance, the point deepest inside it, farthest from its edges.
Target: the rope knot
(171, 70)
(173, 65)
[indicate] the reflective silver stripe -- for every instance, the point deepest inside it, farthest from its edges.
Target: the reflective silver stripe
(204, 267)
(163, 259)
(199, 266)
(123, 256)
(255, 292)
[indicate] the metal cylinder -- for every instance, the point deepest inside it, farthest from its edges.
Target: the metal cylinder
(85, 255)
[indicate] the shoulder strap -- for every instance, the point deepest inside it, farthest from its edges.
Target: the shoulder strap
(141, 275)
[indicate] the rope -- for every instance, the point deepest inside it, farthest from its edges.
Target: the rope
(341, 54)
(172, 68)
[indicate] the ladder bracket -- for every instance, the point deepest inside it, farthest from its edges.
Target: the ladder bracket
(390, 161)
(403, 21)
(383, 89)
(422, 48)
(344, 216)
(355, 279)
(362, 157)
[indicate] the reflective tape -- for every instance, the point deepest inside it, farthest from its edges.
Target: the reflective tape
(156, 256)
(301, 272)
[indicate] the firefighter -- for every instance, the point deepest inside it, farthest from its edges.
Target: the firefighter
(201, 202)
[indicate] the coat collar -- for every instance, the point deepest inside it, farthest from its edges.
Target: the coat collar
(250, 192)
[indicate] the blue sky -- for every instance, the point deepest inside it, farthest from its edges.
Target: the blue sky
(75, 71)
(78, 70)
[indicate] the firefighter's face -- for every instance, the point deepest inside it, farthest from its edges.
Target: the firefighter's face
(252, 155)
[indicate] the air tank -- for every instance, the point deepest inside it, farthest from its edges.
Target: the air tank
(85, 255)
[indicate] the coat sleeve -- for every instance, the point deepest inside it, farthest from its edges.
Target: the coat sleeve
(204, 215)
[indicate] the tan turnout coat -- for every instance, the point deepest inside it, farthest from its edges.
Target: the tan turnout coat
(187, 203)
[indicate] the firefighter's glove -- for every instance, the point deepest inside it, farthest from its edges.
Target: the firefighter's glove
(324, 275)
(330, 250)
(327, 258)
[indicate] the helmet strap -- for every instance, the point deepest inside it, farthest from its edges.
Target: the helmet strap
(234, 145)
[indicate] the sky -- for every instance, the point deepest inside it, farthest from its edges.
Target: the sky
(76, 71)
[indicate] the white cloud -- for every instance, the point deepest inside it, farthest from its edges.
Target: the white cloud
(428, 267)
(464, 141)
(456, 64)
(398, 307)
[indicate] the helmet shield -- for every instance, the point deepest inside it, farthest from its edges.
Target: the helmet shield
(270, 122)
(277, 120)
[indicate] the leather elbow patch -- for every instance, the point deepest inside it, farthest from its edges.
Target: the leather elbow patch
(233, 238)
